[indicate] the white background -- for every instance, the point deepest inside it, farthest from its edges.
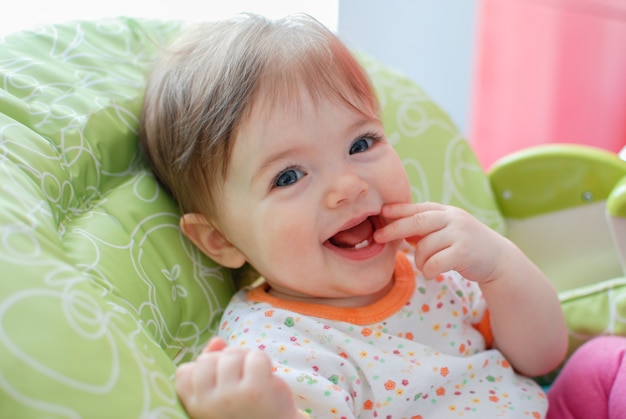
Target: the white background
(24, 14)
(431, 41)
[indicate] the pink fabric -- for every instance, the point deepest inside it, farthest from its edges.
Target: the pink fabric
(548, 71)
(593, 382)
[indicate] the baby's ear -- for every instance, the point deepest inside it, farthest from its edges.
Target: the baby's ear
(203, 233)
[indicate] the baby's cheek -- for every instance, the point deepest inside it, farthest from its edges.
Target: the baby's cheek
(404, 187)
(404, 193)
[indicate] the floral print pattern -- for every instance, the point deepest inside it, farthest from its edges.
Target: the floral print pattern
(426, 360)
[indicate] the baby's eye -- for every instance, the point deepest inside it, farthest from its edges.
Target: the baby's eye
(288, 177)
(361, 145)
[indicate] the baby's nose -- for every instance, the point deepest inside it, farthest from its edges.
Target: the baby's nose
(345, 188)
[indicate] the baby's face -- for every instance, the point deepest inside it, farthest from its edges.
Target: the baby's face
(303, 198)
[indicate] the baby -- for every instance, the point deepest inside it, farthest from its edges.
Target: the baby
(267, 133)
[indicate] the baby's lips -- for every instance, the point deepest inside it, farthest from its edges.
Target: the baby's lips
(413, 240)
(382, 220)
(380, 231)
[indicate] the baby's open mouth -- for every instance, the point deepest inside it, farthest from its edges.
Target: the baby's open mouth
(357, 237)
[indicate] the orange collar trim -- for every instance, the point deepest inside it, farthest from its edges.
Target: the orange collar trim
(394, 300)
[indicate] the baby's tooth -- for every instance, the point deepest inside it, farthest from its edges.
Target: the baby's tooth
(361, 245)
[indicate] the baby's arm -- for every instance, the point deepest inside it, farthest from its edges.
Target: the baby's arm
(526, 318)
(233, 383)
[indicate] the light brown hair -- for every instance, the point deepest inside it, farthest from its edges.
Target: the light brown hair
(207, 80)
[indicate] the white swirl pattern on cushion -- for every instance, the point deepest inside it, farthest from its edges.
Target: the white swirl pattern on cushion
(101, 295)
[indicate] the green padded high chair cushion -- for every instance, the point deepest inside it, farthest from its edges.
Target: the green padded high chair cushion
(100, 294)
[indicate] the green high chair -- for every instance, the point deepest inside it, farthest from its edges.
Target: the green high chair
(565, 207)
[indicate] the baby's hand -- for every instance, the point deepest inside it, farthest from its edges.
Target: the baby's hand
(446, 238)
(233, 383)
